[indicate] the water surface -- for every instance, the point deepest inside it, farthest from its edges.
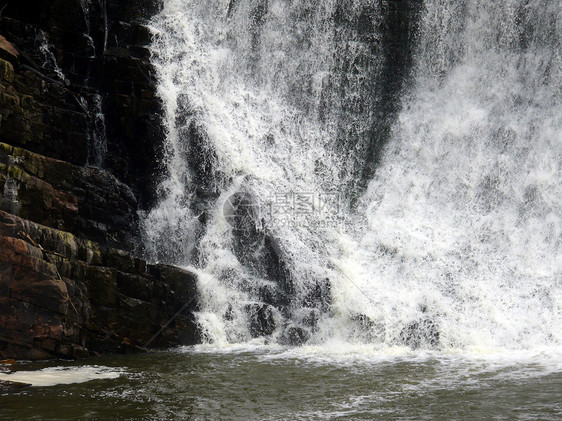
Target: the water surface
(296, 384)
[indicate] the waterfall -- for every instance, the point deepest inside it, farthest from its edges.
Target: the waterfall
(97, 148)
(362, 171)
(49, 61)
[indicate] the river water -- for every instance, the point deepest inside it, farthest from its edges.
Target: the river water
(309, 383)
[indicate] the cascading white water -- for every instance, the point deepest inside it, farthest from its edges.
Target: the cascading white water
(465, 211)
(97, 152)
(460, 230)
(49, 61)
(86, 10)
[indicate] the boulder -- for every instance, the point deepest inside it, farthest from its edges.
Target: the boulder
(294, 336)
(365, 329)
(423, 333)
(261, 319)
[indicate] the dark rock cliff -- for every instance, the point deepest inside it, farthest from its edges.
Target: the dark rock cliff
(79, 142)
(88, 51)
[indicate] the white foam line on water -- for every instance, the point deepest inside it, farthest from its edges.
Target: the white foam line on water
(52, 376)
(539, 361)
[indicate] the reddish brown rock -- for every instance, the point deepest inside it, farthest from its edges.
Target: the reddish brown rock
(86, 201)
(8, 51)
(52, 303)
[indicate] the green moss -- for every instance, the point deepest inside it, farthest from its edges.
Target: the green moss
(94, 252)
(7, 149)
(6, 71)
(9, 101)
(69, 244)
(16, 173)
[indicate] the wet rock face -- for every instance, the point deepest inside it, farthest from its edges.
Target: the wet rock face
(294, 336)
(261, 319)
(388, 29)
(88, 202)
(423, 333)
(79, 135)
(73, 55)
(64, 296)
(258, 250)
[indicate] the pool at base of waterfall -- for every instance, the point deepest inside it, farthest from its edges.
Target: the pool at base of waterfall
(281, 383)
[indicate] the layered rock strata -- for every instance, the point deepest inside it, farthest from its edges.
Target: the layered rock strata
(80, 138)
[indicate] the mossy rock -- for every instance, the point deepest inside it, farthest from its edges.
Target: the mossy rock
(6, 71)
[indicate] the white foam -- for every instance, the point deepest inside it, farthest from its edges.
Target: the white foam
(52, 376)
